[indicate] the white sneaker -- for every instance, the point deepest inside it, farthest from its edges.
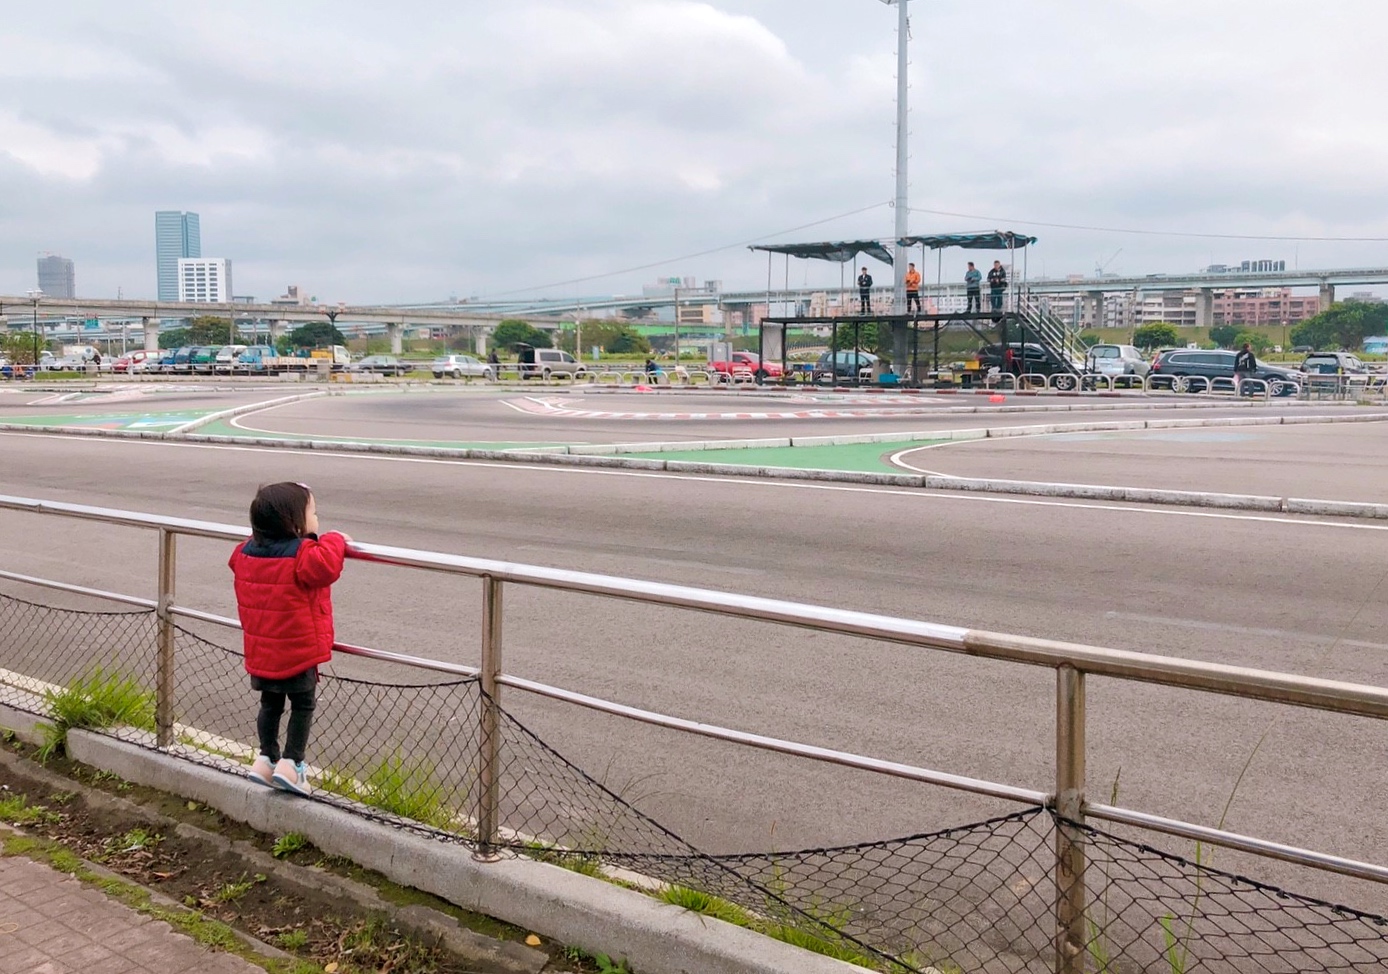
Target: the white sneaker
(261, 771)
(289, 776)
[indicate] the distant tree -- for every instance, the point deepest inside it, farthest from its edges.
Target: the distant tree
(1158, 334)
(868, 339)
(1343, 325)
(316, 334)
(18, 347)
(1256, 340)
(1223, 335)
(174, 338)
(1089, 338)
(208, 330)
(514, 331)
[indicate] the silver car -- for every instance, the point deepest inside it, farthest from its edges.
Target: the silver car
(460, 366)
(1115, 360)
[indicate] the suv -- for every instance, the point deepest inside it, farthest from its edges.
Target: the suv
(1115, 360)
(1333, 363)
(844, 364)
(545, 362)
(1181, 364)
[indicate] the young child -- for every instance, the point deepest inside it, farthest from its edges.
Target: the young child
(283, 574)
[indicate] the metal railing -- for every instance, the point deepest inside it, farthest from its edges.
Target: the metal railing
(1072, 663)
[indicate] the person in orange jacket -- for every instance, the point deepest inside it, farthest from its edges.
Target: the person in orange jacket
(913, 288)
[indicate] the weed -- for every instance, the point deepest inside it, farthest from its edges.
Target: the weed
(16, 809)
(136, 840)
(583, 863)
(62, 797)
(821, 943)
(98, 700)
(288, 844)
(606, 965)
(706, 904)
(292, 940)
(230, 892)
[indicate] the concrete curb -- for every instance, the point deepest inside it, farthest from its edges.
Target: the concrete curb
(554, 902)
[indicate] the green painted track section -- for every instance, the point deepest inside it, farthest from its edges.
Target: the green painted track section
(111, 421)
(858, 457)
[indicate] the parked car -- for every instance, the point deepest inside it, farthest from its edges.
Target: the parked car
(1333, 363)
(256, 358)
(843, 364)
(162, 364)
(746, 364)
(1181, 365)
(1033, 359)
(458, 366)
(225, 361)
(1116, 360)
(546, 362)
(202, 359)
(133, 362)
(383, 364)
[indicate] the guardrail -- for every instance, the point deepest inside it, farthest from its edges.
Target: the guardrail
(1072, 664)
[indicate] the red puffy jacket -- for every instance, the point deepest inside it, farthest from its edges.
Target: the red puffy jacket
(284, 601)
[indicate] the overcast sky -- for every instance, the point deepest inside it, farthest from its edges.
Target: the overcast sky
(420, 149)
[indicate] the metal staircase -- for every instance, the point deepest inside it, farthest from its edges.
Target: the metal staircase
(1046, 329)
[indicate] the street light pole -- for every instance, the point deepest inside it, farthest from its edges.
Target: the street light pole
(34, 296)
(677, 326)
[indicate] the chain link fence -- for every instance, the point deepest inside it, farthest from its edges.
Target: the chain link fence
(977, 897)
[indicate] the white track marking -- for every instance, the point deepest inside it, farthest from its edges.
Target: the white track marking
(919, 494)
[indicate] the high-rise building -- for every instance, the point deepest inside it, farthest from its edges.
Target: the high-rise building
(176, 235)
(56, 277)
(206, 279)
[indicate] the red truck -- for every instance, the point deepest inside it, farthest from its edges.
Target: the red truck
(743, 367)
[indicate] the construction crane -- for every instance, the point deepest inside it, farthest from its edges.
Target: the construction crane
(1100, 268)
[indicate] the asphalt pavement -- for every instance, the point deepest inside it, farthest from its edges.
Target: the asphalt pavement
(1280, 593)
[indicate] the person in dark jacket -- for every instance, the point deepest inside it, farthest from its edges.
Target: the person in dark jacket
(865, 293)
(1244, 365)
(283, 577)
(997, 284)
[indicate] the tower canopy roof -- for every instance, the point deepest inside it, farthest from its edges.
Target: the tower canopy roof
(839, 251)
(991, 240)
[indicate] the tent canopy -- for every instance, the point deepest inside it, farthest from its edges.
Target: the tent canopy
(840, 251)
(992, 240)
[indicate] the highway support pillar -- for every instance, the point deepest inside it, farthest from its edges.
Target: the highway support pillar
(150, 328)
(1327, 295)
(1094, 309)
(1204, 308)
(396, 332)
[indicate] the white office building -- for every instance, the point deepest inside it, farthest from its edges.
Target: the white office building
(204, 279)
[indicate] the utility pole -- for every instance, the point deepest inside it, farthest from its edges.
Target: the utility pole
(903, 213)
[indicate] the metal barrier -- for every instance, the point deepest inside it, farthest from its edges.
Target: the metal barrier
(1074, 934)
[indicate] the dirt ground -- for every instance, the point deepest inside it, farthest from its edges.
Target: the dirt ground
(137, 836)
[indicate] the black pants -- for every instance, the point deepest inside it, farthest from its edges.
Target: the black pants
(975, 301)
(913, 297)
(995, 296)
(865, 302)
(302, 693)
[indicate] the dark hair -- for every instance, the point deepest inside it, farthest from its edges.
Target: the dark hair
(279, 512)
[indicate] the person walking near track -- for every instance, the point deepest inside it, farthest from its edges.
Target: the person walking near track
(284, 573)
(1245, 365)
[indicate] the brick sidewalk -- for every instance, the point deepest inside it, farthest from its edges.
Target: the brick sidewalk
(51, 923)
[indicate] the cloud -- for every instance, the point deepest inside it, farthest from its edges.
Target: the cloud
(407, 152)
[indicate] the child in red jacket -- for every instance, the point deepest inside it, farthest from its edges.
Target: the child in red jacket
(283, 574)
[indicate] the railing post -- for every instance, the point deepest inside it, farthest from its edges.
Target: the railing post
(1071, 936)
(489, 736)
(164, 675)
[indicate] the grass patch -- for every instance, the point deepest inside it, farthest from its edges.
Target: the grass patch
(231, 892)
(583, 863)
(825, 943)
(706, 904)
(292, 940)
(97, 700)
(404, 788)
(17, 810)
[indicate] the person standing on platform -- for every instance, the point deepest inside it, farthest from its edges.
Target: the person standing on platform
(997, 284)
(973, 280)
(913, 288)
(865, 293)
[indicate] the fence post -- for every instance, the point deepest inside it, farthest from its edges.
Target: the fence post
(164, 677)
(489, 737)
(1071, 936)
